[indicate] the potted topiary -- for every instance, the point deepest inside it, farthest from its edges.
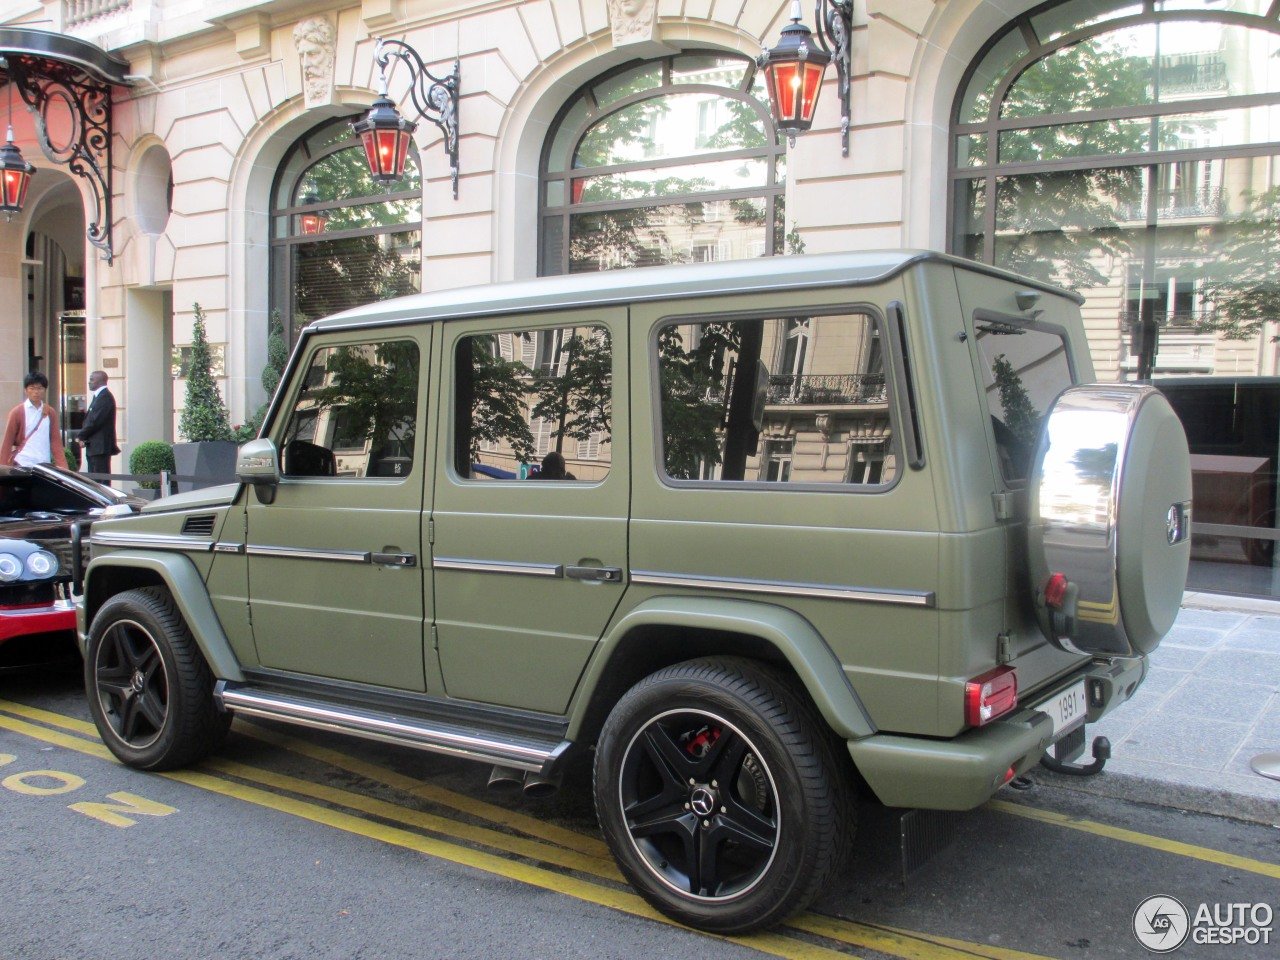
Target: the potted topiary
(277, 357)
(210, 451)
(150, 457)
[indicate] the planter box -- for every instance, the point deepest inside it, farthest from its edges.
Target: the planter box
(211, 461)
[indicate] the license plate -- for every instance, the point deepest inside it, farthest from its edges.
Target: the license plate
(1066, 708)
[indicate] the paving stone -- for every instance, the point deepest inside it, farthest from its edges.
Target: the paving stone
(1216, 620)
(1248, 637)
(1169, 656)
(1242, 666)
(1159, 682)
(1268, 725)
(1167, 737)
(1194, 637)
(1239, 764)
(1218, 700)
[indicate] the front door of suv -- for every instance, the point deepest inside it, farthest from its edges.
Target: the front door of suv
(336, 584)
(530, 514)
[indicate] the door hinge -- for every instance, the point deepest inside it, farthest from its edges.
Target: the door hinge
(431, 531)
(1003, 505)
(435, 639)
(1004, 653)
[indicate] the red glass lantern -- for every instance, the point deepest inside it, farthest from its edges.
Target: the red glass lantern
(313, 222)
(385, 135)
(15, 177)
(793, 72)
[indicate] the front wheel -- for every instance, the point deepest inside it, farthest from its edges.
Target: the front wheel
(720, 796)
(149, 688)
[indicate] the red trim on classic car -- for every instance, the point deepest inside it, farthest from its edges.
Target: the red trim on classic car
(18, 620)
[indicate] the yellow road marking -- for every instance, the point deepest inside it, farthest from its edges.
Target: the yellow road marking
(1140, 839)
(624, 901)
(526, 824)
(903, 943)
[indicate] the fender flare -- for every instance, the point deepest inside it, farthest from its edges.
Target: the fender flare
(787, 632)
(187, 588)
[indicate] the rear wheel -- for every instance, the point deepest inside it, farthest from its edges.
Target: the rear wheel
(149, 688)
(720, 795)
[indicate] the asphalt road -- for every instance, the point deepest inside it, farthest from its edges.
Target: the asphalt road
(293, 845)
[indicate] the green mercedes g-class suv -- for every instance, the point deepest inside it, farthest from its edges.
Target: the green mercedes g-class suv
(760, 534)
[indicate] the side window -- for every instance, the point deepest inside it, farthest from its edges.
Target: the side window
(1024, 368)
(534, 404)
(357, 413)
(792, 400)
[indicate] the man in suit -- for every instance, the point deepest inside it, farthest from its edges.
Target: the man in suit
(98, 433)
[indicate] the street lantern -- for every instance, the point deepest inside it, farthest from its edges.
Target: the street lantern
(312, 222)
(15, 177)
(385, 133)
(794, 68)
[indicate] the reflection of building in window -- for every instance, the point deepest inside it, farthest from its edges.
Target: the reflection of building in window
(534, 392)
(1173, 298)
(816, 412)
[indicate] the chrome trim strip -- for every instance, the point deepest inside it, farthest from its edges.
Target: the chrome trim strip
(149, 541)
(383, 727)
(344, 556)
(514, 567)
(910, 598)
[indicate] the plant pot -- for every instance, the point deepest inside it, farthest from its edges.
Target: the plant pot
(211, 461)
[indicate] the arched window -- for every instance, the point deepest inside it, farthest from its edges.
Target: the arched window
(1131, 151)
(663, 161)
(338, 239)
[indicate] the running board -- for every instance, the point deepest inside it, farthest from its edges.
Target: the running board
(523, 753)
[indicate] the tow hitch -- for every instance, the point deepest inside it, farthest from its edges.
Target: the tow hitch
(1101, 754)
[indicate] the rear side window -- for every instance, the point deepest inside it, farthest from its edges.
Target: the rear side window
(357, 414)
(787, 400)
(1024, 367)
(534, 404)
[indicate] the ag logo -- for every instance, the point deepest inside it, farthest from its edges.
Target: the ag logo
(1161, 924)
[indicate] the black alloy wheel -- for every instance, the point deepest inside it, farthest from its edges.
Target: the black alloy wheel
(149, 688)
(720, 794)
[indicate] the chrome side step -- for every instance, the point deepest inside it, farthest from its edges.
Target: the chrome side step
(508, 750)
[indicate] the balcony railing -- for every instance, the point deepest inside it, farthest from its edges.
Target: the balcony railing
(1189, 321)
(831, 389)
(1177, 204)
(82, 11)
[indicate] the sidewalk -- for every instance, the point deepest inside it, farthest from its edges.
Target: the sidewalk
(1210, 704)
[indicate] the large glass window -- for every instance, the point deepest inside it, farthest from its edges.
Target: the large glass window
(534, 404)
(1131, 151)
(357, 413)
(741, 402)
(665, 161)
(338, 239)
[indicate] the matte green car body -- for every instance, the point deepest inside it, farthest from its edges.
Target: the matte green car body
(882, 602)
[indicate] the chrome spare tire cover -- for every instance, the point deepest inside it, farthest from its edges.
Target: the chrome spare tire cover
(1110, 510)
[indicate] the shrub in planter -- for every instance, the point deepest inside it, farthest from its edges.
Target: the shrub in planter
(277, 357)
(204, 415)
(72, 451)
(151, 457)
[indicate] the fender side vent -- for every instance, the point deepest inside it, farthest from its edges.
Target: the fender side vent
(201, 526)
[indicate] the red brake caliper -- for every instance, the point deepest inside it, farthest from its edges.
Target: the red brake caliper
(698, 744)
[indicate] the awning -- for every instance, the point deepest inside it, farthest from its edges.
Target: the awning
(75, 78)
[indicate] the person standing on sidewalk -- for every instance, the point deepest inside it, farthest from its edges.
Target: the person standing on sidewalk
(98, 433)
(31, 433)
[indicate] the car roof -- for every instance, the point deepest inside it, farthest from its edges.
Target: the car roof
(659, 283)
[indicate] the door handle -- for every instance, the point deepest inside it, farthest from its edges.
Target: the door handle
(394, 559)
(595, 574)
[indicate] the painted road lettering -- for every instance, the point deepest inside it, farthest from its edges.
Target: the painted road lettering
(52, 783)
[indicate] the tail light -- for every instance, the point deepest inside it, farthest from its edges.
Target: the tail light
(991, 695)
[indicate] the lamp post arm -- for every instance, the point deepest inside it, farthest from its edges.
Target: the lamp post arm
(835, 35)
(434, 98)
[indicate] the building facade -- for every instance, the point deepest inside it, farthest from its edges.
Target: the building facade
(1128, 150)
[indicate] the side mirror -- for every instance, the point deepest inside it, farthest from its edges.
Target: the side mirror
(258, 463)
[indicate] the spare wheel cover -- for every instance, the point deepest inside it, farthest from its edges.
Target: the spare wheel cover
(1110, 510)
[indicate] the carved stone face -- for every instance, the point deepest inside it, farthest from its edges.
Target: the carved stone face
(314, 40)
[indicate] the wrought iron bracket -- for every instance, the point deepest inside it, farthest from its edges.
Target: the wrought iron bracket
(434, 98)
(84, 106)
(835, 35)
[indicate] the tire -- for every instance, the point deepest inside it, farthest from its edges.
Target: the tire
(149, 688)
(719, 794)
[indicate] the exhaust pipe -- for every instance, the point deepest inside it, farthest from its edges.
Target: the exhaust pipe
(502, 778)
(536, 786)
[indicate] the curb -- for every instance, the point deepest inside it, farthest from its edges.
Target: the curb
(1164, 793)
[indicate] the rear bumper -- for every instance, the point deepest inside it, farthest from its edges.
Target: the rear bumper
(963, 772)
(39, 618)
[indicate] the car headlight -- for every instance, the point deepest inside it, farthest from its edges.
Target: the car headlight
(10, 568)
(42, 563)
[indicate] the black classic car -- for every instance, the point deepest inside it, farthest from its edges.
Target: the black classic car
(40, 509)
